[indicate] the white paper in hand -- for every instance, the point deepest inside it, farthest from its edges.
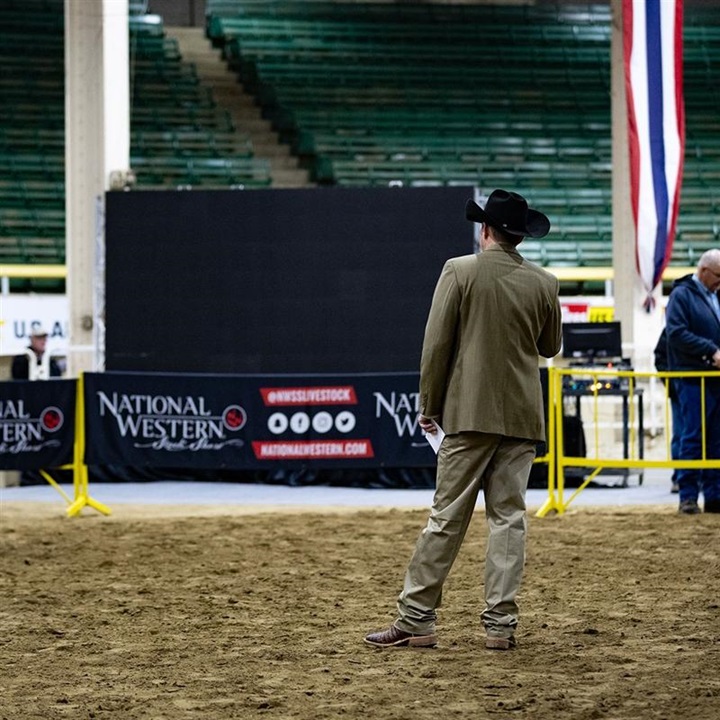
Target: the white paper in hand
(436, 438)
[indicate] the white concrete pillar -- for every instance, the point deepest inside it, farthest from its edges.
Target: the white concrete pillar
(640, 329)
(97, 144)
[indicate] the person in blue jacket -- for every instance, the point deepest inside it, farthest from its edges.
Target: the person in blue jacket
(693, 336)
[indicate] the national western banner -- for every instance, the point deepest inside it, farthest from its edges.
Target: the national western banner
(37, 424)
(653, 58)
(254, 422)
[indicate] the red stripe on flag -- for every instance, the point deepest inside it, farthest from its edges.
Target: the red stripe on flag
(634, 144)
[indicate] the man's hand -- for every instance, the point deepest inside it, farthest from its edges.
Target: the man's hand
(716, 359)
(428, 425)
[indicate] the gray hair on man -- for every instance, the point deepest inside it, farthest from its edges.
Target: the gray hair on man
(710, 258)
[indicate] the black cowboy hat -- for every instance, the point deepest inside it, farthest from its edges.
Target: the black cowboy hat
(509, 213)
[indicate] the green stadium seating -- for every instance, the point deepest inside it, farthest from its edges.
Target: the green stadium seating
(214, 172)
(385, 94)
(191, 142)
(180, 137)
(368, 93)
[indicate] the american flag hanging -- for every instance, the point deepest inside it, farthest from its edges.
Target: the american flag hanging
(653, 51)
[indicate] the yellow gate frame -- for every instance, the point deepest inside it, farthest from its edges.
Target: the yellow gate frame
(82, 496)
(556, 459)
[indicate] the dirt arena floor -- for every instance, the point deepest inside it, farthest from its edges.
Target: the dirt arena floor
(209, 613)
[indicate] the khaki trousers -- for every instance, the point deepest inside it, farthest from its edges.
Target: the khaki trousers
(468, 462)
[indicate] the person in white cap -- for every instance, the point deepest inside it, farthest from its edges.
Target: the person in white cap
(35, 363)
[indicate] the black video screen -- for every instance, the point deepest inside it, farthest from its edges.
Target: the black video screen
(315, 280)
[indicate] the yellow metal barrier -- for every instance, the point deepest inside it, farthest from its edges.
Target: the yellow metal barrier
(555, 457)
(567, 274)
(38, 272)
(81, 490)
(605, 273)
(600, 384)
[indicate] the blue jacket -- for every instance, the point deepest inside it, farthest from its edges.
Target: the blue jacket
(693, 328)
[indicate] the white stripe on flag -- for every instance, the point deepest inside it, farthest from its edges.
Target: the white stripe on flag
(647, 217)
(673, 133)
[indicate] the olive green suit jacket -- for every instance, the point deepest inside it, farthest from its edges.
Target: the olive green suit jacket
(492, 315)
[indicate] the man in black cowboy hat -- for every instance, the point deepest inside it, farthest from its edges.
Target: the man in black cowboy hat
(492, 315)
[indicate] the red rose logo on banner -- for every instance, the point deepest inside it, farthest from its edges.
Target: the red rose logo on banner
(52, 419)
(234, 417)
